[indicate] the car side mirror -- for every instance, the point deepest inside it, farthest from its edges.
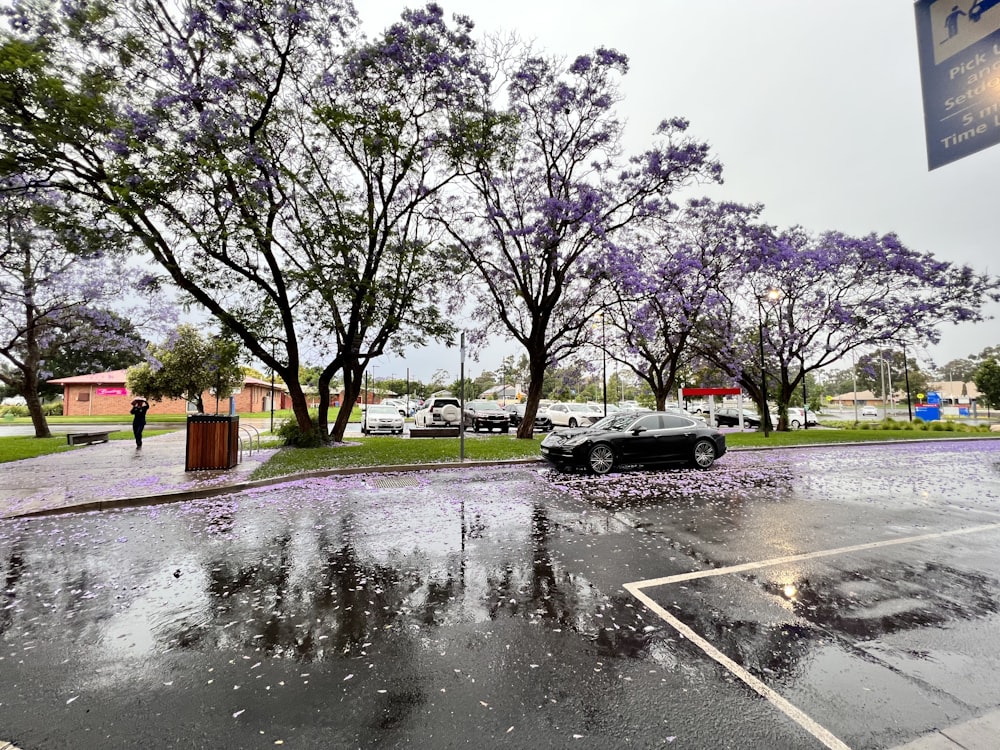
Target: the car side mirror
(638, 430)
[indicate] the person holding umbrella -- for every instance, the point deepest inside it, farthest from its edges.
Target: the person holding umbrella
(139, 408)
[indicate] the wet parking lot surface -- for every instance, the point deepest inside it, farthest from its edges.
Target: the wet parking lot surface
(823, 597)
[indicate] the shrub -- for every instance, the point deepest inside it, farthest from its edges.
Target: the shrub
(54, 409)
(16, 409)
(292, 436)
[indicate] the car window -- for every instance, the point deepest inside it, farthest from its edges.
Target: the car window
(672, 423)
(379, 409)
(649, 422)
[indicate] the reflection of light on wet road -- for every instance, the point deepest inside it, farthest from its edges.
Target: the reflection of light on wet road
(791, 711)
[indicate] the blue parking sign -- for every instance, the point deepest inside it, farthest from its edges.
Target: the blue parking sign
(958, 42)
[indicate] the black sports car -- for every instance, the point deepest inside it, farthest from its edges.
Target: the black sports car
(651, 439)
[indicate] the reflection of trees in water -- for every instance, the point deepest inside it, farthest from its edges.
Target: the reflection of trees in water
(548, 592)
(345, 603)
(15, 569)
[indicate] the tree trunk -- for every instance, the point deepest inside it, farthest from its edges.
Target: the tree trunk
(300, 406)
(536, 372)
(325, 378)
(352, 388)
(38, 420)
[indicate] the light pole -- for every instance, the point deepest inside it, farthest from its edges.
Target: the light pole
(772, 296)
(906, 375)
(604, 367)
(272, 387)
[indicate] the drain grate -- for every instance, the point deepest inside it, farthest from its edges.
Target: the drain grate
(388, 483)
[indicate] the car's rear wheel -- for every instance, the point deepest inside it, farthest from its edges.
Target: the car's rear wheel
(601, 459)
(795, 424)
(704, 454)
(572, 422)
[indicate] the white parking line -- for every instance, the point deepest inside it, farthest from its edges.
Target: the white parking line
(795, 714)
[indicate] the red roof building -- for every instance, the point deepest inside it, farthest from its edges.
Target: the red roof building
(105, 393)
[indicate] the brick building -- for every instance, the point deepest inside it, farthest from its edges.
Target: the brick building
(104, 393)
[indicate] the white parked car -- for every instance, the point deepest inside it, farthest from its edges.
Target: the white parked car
(569, 414)
(399, 403)
(798, 417)
(381, 418)
(869, 411)
(439, 411)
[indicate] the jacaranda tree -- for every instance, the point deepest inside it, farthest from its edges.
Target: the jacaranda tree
(178, 120)
(816, 299)
(382, 137)
(667, 301)
(547, 204)
(58, 277)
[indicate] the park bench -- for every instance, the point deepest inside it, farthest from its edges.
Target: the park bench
(86, 438)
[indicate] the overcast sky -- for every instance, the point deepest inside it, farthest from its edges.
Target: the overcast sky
(813, 108)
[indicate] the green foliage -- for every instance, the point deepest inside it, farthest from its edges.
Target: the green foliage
(293, 436)
(187, 366)
(987, 380)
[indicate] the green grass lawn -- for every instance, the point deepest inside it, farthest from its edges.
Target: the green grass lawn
(391, 451)
(16, 447)
(819, 436)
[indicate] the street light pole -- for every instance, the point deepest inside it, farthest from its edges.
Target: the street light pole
(906, 375)
(764, 420)
(272, 386)
(604, 367)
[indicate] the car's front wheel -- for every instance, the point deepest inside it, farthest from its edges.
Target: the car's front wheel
(704, 454)
(795, 424)
(601, 459)
(572, 422)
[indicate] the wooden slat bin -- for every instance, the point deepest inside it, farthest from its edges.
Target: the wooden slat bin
(213, 442)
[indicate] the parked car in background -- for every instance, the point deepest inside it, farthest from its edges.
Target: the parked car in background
(381, 418)
(681, 413)
(798, 417)
(869, 411)
(482, 414)
(630, 438)
(399, 403)
(571, 414)
(516, 414)
(439, 411)
(729, 416)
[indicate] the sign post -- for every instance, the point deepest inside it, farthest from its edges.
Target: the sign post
(959, 51)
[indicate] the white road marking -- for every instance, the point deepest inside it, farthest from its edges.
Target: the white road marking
(791, 711)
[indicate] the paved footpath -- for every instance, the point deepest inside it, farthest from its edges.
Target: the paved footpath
(112, 474)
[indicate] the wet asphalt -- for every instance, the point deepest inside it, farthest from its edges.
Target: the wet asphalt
(808, 598)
